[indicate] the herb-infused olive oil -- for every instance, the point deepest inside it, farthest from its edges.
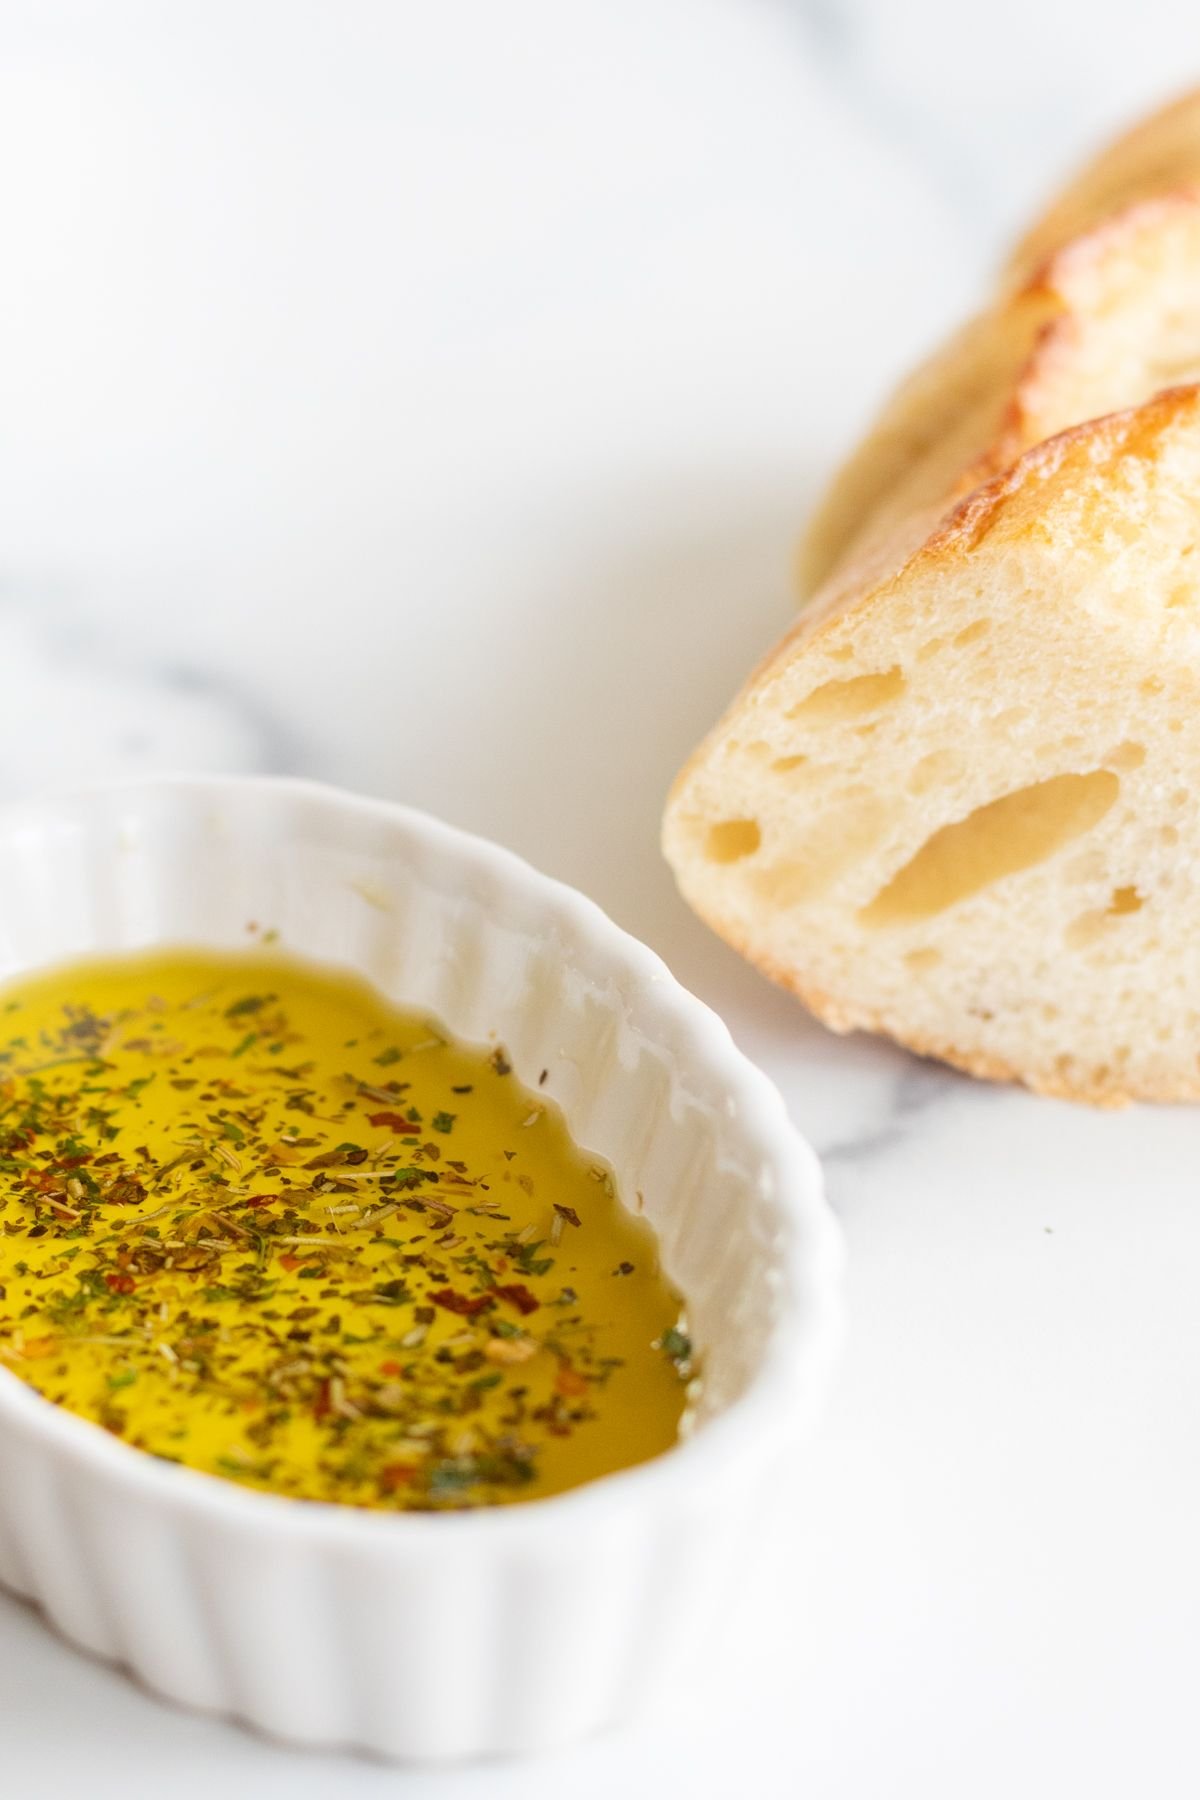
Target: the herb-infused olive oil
(255, 1220)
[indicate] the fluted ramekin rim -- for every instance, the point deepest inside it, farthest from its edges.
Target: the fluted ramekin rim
(779, 1397)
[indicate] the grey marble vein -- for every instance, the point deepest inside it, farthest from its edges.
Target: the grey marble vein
(79, 700)
(929, 137)
(919, 1088)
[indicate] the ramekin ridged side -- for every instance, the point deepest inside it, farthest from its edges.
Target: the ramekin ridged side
(429, 1637)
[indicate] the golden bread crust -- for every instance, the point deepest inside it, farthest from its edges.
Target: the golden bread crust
(1154, 156)
(1051, 354)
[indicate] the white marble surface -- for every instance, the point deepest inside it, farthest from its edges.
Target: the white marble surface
(425, 398)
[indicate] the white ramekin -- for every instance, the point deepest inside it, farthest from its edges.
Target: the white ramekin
(428, 1636)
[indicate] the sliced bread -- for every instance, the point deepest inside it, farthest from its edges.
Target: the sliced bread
(1158, 154)
(1111, 319)
(958, 804)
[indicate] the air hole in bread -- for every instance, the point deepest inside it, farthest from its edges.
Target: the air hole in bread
(1015, 832)
(932, 770)
(850, 699)
(1127, 756)
(971, 633)
(1091, 925)
(783, 765)
(839, 839)
(1168, 835)
(1010, 718)
(920, 960)
(732, 839)
(1086, 929)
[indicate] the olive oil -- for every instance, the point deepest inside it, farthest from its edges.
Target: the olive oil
(255, 1220)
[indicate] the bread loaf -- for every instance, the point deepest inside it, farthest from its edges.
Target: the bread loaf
(958, 804)
(1159, 154)
(1112, 318)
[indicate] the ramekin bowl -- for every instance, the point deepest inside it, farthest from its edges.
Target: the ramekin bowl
(449, 1635)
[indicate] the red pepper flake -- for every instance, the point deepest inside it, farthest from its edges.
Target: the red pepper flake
(394, 1121)
(262, 1199)
(518, 1295)
(396, 1475)
(322, 1405)
(569, 1382)
(462, 1303)
(119, 1283)
(289, 1261)
(391, 1368)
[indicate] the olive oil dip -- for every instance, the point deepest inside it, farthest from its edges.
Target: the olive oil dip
(257, 1221)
